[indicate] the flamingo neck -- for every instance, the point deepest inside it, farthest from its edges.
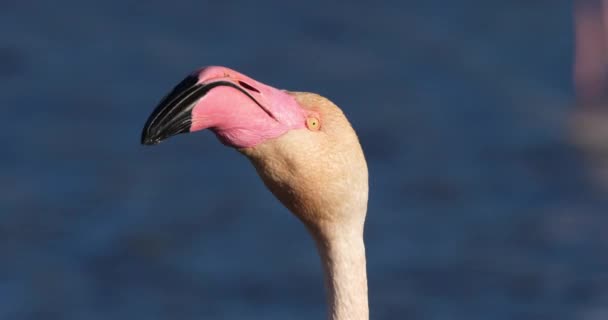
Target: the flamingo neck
(342, 252)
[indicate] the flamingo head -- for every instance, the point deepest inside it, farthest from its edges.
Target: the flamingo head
(301, 144)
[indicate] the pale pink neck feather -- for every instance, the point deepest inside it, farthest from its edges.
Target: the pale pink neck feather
(343, 255)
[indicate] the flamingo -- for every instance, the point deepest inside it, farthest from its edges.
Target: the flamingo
(304, 150)
(589, 121)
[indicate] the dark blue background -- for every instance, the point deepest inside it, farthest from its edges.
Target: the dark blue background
(479, 207)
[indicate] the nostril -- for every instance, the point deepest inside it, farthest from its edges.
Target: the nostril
(248, 87)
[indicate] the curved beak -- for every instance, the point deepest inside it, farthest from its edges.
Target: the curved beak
(173, 115)
(207, 99)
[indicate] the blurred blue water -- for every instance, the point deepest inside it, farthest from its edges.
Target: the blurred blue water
(479, 207)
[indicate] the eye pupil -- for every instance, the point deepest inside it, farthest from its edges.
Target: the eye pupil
(312, 123)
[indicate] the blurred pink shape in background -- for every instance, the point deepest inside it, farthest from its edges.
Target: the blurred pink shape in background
(591, 50)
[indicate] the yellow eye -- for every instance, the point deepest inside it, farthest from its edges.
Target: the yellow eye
(313, 124)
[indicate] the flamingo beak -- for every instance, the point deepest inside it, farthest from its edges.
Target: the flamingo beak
(241, 118)
(173, 115)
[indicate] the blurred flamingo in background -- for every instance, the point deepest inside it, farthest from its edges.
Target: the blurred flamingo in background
(305, 151)
(591, 50)
(590, 73)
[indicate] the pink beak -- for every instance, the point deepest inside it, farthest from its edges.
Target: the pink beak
(241, 111)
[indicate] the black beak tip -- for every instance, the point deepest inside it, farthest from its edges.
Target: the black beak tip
(149, 141)
(172, 116)
(147, 137)
(153, 135)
